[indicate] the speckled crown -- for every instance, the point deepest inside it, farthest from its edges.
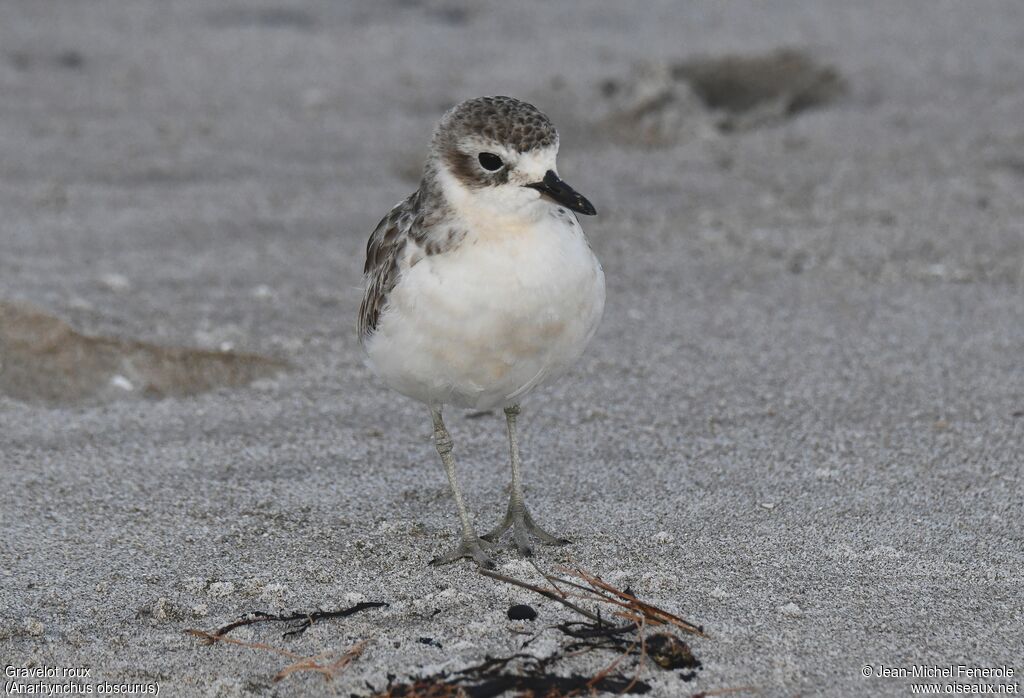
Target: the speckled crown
(505, 120)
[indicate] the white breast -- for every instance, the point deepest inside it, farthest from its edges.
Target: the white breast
(481, 325)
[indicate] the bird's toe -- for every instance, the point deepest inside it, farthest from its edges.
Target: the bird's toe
(476, 549)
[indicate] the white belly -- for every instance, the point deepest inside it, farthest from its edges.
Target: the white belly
(482, 325)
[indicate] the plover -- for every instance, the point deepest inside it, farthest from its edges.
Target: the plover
(481, 286)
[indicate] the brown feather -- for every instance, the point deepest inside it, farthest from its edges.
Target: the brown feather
(383, 249)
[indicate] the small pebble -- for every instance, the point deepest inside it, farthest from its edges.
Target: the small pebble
(119, 381)
(220, 589)
(791, 610)
(115, 282)
(521, 611)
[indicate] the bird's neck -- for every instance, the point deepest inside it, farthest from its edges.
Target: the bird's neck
(482, 211)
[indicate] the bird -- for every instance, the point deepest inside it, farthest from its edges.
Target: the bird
(481, 286)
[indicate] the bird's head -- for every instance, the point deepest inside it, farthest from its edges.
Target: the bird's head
(496, 156)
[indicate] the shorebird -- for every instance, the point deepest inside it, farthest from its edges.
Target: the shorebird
(481, 286)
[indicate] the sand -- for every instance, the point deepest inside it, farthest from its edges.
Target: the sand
(800, 425)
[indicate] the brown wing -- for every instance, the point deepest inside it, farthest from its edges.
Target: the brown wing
(383, 251)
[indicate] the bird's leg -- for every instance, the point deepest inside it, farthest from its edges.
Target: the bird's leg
(517, 517)
(471, 545)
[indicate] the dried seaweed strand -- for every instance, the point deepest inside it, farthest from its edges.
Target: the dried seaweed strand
(211, 638)
(329, 671)
(547, 593)
(653, 613)
(308, 619)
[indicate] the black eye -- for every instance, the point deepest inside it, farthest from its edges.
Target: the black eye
(490, 161)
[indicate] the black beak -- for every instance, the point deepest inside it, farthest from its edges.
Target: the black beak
(563, 194)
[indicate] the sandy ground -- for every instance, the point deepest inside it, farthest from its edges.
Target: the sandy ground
(800, 425)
